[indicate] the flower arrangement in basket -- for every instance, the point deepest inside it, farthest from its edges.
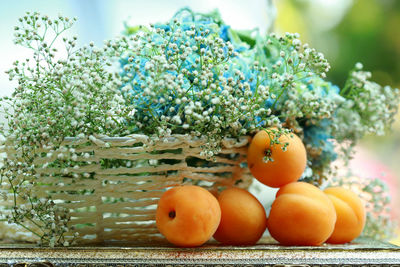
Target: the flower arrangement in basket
(94, 136)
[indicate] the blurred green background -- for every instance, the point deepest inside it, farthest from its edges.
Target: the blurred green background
(348, 32)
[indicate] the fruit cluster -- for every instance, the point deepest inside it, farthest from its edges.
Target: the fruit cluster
(301, 213)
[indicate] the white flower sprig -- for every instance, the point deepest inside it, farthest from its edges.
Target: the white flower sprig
(368, 108)
(56, 97)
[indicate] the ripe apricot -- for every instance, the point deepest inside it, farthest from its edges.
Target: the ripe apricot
(243, 218)
(350, 213)
(188, 215)
(286, 167)
(301, 214)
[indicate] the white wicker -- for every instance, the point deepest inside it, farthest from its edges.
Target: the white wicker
(118, 203)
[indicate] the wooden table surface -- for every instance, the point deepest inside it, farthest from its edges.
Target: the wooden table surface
(361, 253)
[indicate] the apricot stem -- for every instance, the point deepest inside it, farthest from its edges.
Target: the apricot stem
(268, 155)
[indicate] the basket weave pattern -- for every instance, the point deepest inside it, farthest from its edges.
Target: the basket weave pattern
(117, 202)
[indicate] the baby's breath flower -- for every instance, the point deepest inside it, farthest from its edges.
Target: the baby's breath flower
(368, 107)
(56, 97)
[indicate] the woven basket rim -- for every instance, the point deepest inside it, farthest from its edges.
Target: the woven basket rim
(133, 136)
(102, 140)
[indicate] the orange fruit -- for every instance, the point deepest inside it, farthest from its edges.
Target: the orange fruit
(286, 167)
(188, 215)
(301, 214)
(350, 213)
(243, 218)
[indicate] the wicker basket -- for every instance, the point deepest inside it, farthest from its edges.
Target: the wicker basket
(118, 182)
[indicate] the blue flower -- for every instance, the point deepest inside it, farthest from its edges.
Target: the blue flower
(323, 88)
(224, 33)
(320, 138)
(164, 27)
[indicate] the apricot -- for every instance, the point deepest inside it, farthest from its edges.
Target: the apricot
(243, 218)
(301, 214)
(286, 167)
(188, 215)
(350, 212)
